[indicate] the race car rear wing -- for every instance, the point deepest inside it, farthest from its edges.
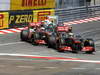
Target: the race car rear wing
(62, 29)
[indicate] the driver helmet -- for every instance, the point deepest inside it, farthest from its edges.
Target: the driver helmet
(71, 35)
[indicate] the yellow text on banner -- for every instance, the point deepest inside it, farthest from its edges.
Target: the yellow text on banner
(31, 4)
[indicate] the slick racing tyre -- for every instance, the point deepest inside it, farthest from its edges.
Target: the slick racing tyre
(51, 41)
(24, 35)
(59, 44)
(35, 37)
(89, 42)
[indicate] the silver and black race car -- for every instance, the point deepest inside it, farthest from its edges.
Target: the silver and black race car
(63, 40)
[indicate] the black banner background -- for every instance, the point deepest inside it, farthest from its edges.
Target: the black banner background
(20, 18)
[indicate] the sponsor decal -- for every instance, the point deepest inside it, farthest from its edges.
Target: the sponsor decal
(40, 15)
(21, 18)
(4, 20)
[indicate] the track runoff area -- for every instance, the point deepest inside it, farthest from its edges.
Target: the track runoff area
(67, 58)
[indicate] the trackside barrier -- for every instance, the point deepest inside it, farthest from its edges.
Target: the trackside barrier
(20, 18)
(66, 15)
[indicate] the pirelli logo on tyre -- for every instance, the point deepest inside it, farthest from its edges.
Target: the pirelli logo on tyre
(40, 15)
(4, 20)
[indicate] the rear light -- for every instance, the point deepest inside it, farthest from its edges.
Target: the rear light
(87, 48)
(66, 48)
(77, 42)
(40, 41)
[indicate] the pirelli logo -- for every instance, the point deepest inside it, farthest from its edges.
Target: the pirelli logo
(41, 15)
(30, 3)
(1, 20)
(4, 20)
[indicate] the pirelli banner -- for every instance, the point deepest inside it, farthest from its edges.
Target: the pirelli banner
(31, 4)
(22, 18)
(40, 15)
(4, 17)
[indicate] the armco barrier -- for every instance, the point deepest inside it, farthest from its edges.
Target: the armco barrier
(14, 19)
(77, 13)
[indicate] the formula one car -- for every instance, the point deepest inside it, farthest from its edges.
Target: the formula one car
(45, 30)
(30, 33)
(52, 40)
(64, 40)
(36, 33)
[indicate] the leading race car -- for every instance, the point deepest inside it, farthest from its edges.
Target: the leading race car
(64, 40)
(37, 33)
(30, 33)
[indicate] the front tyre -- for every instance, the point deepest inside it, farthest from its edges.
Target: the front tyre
(24, 35)
(90, 42)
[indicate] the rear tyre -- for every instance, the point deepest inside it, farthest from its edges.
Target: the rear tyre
(89, 52)
(59, 44)
(51, 42)
(35, 37)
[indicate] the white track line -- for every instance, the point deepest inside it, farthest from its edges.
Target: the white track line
(97, 68)
(71, 60)
(18, 54)
(25, 67)
(5, 44)
(79, 68)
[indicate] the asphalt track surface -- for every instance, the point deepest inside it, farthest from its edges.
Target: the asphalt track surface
(15, 65)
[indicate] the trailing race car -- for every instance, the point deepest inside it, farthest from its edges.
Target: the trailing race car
(64, 40)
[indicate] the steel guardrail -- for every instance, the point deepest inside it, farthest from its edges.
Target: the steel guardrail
(77, 13)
